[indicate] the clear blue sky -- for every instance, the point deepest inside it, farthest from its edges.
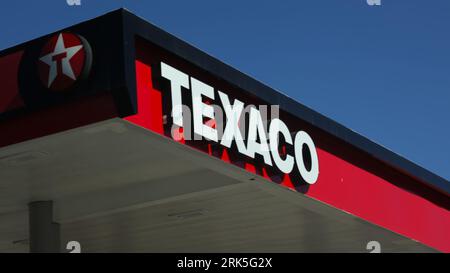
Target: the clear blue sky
(383, 71)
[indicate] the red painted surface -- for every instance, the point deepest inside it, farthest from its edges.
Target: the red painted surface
(56, 119)
(9, 70)
(148, 98)
(348, 187)
(348, 180)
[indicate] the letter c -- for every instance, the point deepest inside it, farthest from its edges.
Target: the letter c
(278, 126)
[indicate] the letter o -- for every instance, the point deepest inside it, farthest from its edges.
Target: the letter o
(302, 138)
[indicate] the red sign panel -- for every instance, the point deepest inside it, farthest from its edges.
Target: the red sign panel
(305, 159)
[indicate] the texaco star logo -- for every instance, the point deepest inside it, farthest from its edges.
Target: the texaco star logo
(64, 59)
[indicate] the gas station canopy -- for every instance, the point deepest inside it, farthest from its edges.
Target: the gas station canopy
(91, 124)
